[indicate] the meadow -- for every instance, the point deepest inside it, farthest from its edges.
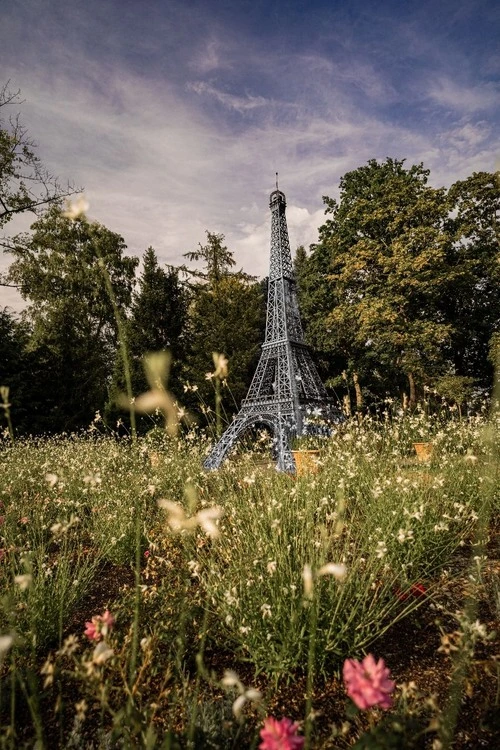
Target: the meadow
(147, 603)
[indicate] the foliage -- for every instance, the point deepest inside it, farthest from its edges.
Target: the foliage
(227, 315)
(387, 251)
(403, 281)
(472, 301)
(60, 270)
(157, 322)
(13, 366)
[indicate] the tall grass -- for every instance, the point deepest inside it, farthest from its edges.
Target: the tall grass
(78, 513)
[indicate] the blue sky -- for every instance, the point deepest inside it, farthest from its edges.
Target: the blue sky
(175, 116)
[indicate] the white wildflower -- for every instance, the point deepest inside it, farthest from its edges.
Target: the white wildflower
(336, 570)
(230, 680)
(307, 578)
(266, 610)
(23, 581)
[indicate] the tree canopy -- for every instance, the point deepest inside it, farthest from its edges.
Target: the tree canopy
(59, 270)
(402, 281)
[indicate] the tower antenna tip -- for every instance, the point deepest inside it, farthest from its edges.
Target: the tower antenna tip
(277, 181)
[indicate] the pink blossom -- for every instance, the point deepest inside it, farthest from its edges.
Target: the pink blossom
(99, 625)
(147, 554)
(368, 682)
(280, 735)
(107, 620)
(92, 630)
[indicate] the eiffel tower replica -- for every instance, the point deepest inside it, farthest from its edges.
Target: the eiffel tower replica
(286, 386)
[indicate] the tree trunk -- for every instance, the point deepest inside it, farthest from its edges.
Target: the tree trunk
(413, 395)
(359, 393)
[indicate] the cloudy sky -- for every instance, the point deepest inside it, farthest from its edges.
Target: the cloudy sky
(174, 115)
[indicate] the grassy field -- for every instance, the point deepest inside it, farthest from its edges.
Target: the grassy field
(147, 603)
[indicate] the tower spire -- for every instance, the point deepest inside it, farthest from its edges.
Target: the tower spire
(286, 384)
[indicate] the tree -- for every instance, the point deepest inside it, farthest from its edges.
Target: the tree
(472, 302)
(157, 322)
(226, 315)
(384, 253)
(217, 258)
(60, 269)
(25, 184)
(13, 367)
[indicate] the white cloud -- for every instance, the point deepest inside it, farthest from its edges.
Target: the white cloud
(239, 103)
(447, 93)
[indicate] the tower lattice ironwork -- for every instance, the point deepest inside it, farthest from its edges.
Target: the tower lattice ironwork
(286, 385)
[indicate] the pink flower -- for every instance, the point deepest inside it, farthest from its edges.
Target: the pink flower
(99, 626)
(147, 554)
(92, 630)
(368, 682)
(280, 735)
(107, 620)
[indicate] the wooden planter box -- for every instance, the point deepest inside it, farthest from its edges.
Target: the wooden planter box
(423, 451)
(306, 462)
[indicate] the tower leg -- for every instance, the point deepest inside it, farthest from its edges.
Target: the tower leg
(241, 424)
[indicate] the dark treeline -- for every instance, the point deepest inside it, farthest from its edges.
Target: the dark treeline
(400, 294)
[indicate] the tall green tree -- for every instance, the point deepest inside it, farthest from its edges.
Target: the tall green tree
(157, 322)
(60, 270)
(227, 316)
(383, 250)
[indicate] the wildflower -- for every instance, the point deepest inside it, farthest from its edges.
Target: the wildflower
(6, 642)
(99, 626)
(48, 670)
(338, 571)
(266, 610)
(69, 646)
(405, 535)
(102, 653)
(368, 682)
(280, 735)
(147, 554)
(271, 567)
(220, 363)
(231, 679)
(81, 710)
(307, 578)
(92, 630)
(23, 581)
(178, 521)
